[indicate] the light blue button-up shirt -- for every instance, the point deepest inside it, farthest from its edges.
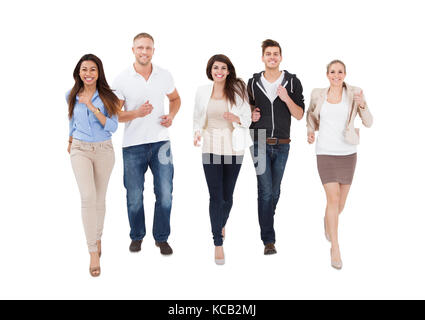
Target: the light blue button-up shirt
(85, 126)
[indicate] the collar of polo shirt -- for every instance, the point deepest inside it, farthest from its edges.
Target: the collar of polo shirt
(154, 70)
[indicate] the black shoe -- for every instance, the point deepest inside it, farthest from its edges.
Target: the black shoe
(269, 249)
(164, 248)
(136, 245)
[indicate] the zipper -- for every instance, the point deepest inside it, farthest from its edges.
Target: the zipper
(271, 102)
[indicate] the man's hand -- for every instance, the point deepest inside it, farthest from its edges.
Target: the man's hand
(283, 94)
(167, 120)
(255, 116)
(144, 109)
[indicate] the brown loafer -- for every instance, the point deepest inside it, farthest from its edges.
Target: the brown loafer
(164, 248)
(136, 245)
(269, 249)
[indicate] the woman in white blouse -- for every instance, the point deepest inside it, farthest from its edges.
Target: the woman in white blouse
(221, 119)
(332, 112)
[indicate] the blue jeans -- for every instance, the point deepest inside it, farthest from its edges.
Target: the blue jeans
(221, 173)
(158, 157)
(273, 159)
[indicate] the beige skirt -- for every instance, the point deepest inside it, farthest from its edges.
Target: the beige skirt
(336, 168)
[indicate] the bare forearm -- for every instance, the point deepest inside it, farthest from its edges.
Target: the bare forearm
(126, 116)
(174, 106)
(296, 111)
(99, 115)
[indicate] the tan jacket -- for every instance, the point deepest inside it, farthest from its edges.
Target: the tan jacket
(351, 134)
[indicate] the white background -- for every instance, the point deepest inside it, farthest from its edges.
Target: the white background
(42, 246)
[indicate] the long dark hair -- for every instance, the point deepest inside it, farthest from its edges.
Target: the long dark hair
(234, 85)
(109, 99)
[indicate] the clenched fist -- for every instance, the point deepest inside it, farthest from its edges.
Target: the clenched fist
(255, 116)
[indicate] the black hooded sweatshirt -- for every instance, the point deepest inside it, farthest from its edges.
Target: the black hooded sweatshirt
(275, 116)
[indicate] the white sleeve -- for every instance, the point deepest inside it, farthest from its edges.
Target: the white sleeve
(197, 113)
(169, 83)
(245, 114)
(116, 89)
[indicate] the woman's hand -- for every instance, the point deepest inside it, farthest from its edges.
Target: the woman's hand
(69, 147)
(197, 139)
(84, 99)
(231, 117)
(310, 137)
(359, 99)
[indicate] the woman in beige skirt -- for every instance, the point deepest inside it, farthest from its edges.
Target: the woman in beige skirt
(332, 112)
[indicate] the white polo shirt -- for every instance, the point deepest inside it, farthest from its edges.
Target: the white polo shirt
(135, 91)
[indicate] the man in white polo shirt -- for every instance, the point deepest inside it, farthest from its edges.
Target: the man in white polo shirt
(142, 89)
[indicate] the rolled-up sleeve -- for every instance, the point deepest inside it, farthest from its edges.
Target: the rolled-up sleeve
(71, 121)
(245, 115)
(71, 126)
(111, 124)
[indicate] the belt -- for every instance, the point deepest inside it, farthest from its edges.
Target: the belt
(275, 141)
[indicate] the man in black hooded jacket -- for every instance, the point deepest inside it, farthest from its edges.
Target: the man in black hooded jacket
(275, 96)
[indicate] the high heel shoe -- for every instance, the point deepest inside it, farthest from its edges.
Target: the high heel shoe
(336, 264)
(220, 262)
(94, 271)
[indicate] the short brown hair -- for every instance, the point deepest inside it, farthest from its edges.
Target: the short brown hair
(143, 35)
(333, 62)
(270, 43)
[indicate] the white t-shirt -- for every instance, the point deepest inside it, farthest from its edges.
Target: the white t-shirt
(333, 121)
(135, 91)
(271, 87)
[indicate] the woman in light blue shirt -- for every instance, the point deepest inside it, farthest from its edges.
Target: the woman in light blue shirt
(92, 111)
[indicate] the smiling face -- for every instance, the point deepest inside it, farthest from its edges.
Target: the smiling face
(89, 72)
(336, 74)
(219, 71)
(143, 50)
(272, 57)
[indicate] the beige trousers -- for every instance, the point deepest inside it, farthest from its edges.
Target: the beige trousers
(92, 163)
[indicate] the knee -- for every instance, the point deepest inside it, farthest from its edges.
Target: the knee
(134, 196)
(216, 198)
(227, 202)
(333, 199)
(228, 199)
(88, 200)
(265, 193)
(164, 196)
(276, 195)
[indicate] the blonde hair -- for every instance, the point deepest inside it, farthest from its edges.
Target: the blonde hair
(143, 35)
(333, 62)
